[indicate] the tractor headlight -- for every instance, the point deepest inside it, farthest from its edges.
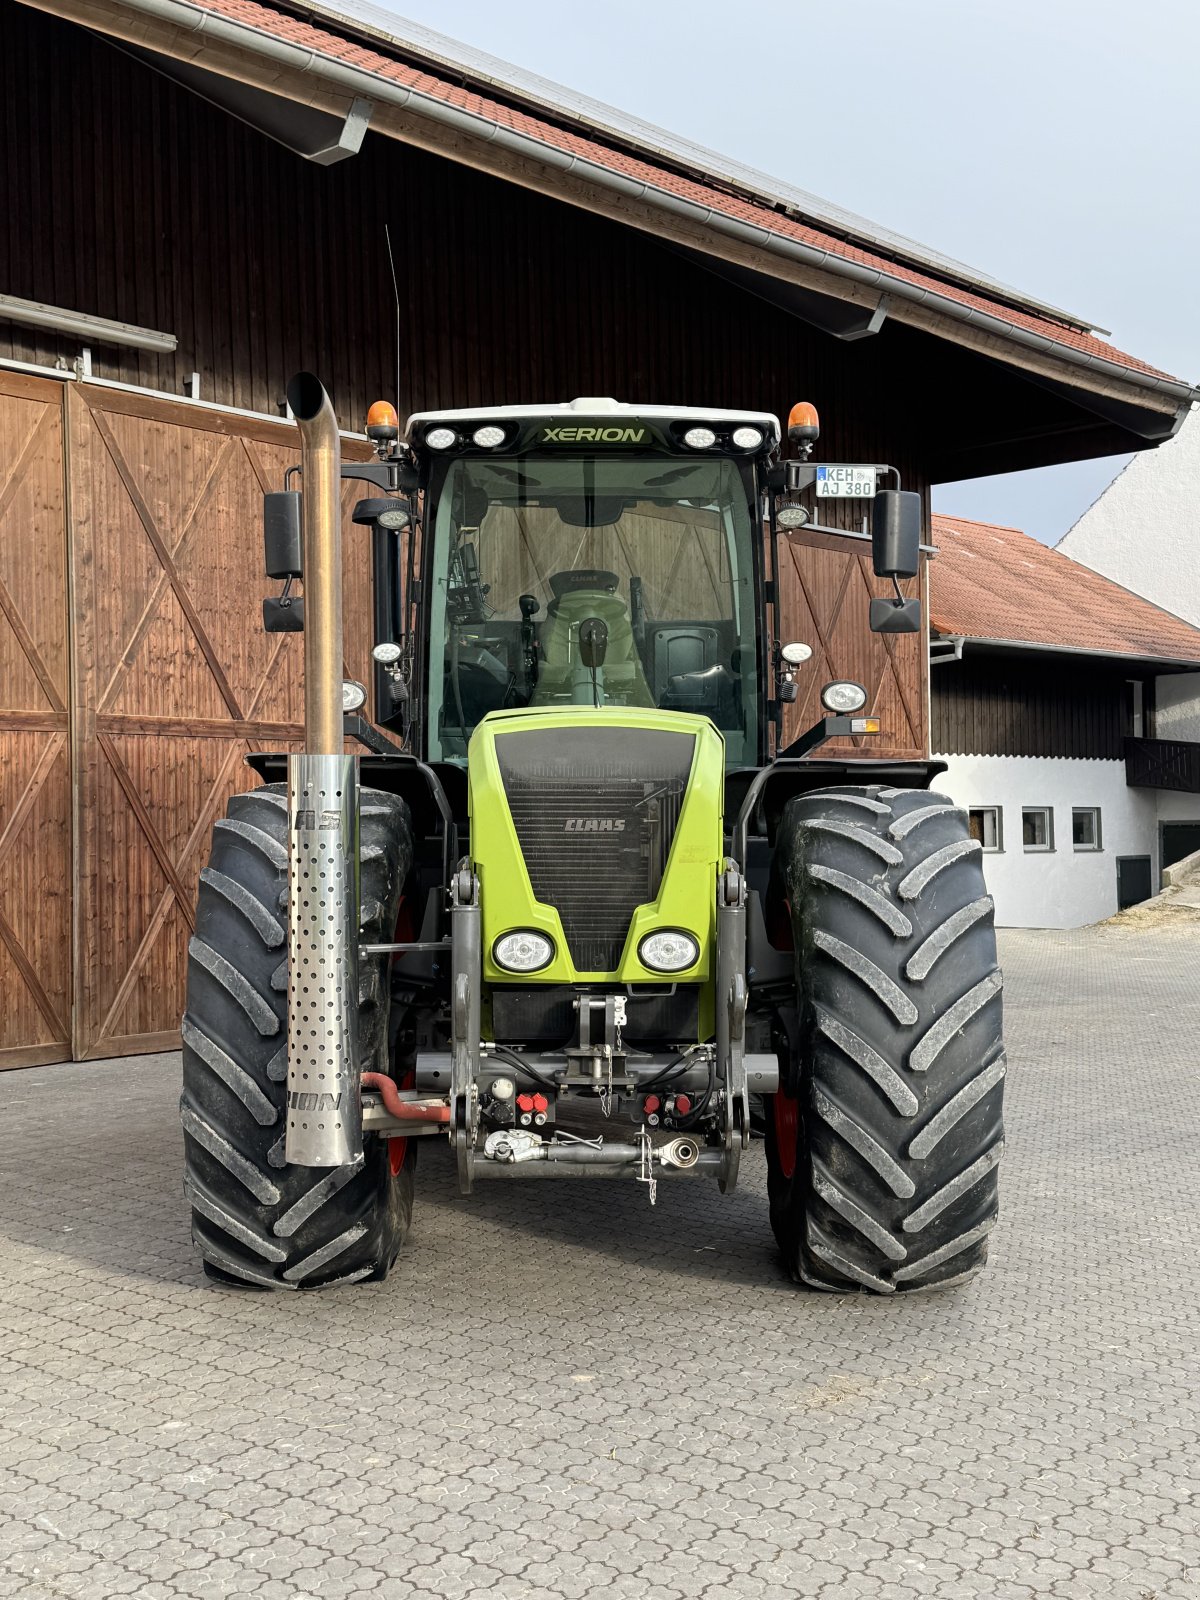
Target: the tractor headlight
(441, 438)
(353, 695)
(843, 697)
(747, 438)
(669, 950)
(700, 438)
(523, 950)
(488, 437)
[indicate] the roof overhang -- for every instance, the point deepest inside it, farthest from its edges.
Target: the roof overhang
(769, 252)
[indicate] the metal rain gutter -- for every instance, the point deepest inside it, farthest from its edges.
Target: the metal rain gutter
(1178, 663)
(359, 83)
(82, 325)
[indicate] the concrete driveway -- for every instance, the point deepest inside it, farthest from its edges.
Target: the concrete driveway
(561, 1393)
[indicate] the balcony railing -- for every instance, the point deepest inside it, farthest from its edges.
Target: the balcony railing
(1163, 764)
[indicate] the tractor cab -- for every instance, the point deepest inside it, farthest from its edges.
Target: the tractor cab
(592, 555)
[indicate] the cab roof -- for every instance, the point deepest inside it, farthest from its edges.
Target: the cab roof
(592, 407)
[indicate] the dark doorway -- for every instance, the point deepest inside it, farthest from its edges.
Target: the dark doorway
(1179, 839)
(1133, 880)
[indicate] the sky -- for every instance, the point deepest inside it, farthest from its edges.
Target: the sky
(1052, 144)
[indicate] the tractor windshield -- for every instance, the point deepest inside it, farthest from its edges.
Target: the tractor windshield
(528, 550)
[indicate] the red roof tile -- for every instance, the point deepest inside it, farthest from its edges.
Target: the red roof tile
(293, 30)
(988, 582)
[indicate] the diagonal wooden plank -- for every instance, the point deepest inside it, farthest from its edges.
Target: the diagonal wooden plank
(862, 741)
(129, 789)
(200, 503)
(256, 466)
(165, 561)
(280, 645)
(134, 969)
(32, 982)
(523, 530)
(890, 642)
(30, 650)
(7, 604)
(817, 620)
(834, 617)
(914, 730)
(207, 813)
(33, 788)
(22, 458)
(661, 598)
(169, 897)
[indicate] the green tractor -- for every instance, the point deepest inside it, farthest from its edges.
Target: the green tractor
(576, 907)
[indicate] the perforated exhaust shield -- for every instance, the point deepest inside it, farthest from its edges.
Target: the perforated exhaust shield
(324, 1121)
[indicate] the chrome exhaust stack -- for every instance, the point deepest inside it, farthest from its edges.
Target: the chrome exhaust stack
(324, 1094)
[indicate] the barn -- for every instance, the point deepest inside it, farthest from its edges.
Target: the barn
(204, 196)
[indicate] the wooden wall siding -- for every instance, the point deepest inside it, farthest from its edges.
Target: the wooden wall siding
(826, 587)
(35, 808)
(261, 263)
(1045, 706)
(175, 682)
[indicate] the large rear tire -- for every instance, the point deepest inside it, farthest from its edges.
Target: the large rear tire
(256, 1220)
(882, 1168)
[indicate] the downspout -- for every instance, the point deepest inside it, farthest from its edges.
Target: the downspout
(955, 654)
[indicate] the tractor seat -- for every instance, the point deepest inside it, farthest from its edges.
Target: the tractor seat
(623, 678)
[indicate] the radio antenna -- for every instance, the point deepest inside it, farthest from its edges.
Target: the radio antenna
(387, 234)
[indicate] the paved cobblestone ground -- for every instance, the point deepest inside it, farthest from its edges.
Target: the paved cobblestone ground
(563, 1394)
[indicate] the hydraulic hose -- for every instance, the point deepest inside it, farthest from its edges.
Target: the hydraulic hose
(403, 1110)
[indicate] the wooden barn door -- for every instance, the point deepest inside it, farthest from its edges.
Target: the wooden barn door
(35, 793)
(176, 682)
(825, 589)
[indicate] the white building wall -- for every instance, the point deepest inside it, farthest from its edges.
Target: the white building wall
(1144, 530)
(1062, 888)
(1177, 706)
(1175, 806)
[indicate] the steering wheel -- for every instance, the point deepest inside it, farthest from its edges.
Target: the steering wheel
(593, 578)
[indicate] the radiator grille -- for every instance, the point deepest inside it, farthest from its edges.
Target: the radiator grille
(595, 810)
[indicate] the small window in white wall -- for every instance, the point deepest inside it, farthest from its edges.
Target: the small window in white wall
(1085, 828)
(1037, 827)
(986, 824)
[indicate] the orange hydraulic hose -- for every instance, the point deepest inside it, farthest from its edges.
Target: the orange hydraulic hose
(403, 1110)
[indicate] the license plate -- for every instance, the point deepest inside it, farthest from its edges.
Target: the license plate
(845, 483)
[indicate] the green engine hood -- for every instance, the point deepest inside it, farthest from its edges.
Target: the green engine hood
(596, 827)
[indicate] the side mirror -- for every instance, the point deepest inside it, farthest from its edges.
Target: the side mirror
(282, 546)
(896, 534)
(284, 615)
(895, 616)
